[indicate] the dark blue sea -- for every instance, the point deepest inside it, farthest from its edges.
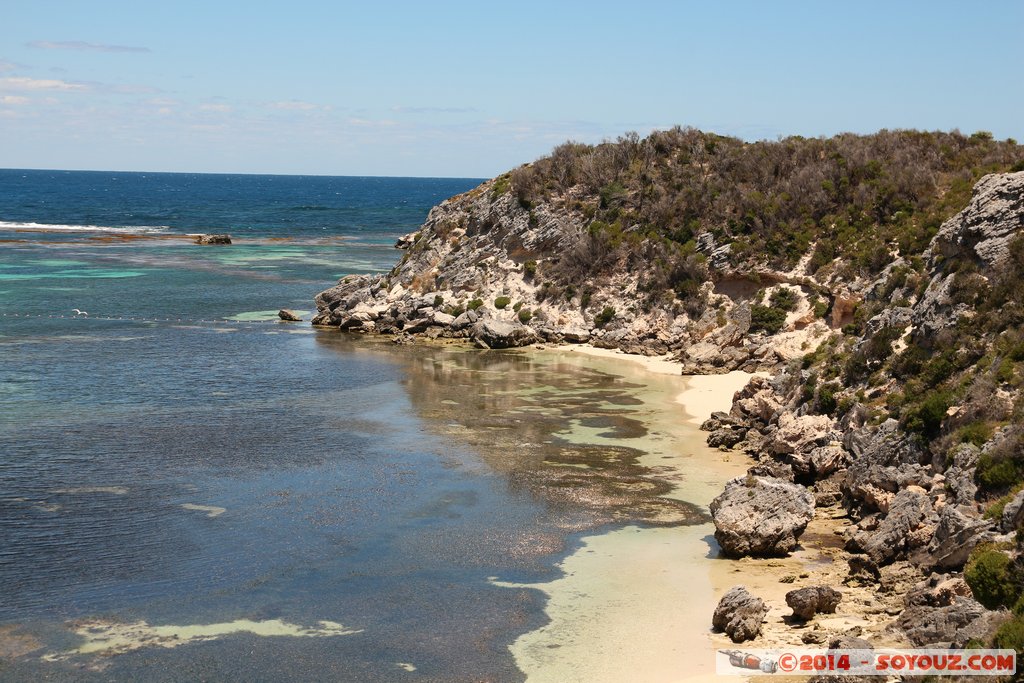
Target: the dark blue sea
(191, 489)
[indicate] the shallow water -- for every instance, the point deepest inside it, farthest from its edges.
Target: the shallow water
(192, 490)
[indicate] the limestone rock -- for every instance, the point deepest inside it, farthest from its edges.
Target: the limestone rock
(800, 434)
(739, 614)
(806, 602)
(986, 226)
(761, 516)
(927, 625)
(406, 241)
(907, 512)
(290, 316)
(502, 334)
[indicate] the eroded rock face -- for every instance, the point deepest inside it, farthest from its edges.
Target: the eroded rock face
(289, 316)
(981, 233)
(908, 512)
(986, 226)
(739, 614)
(761, 516)
(806, 602)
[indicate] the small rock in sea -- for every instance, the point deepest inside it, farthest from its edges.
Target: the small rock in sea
(806, 602)
(290, 316)
(213, 239)
(739, 614)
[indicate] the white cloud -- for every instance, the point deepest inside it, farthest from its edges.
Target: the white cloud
(223, 108)
(14, 99)
(433, 110)
(84, 46)
(24, 83)
(295, 105)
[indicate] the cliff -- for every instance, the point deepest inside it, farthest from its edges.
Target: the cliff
(878, 280)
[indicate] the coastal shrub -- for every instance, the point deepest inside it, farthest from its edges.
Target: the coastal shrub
(525, 315)
(784, 299)
(604, 317)
(766, 319)
(502, 184)
(1010, 636)
(530, 268)
(455, 311)
(826, 403)
(585, 300)
(474, 304)
(991, 576)
(1001, 466)
(925, 418)
(501, 302)
(518, 305)
(438, 301)
(976, 433)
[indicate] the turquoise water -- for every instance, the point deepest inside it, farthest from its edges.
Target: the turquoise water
(292, 504)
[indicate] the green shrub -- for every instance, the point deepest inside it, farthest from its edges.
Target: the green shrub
(976, 432)
(766, 319)
(990, 575)
(783, 298)
(525, 315)
(517, 306)
(827, 400)
(501, 302)
(455, 311)
(1010, 636)
(474, 304)
(926, 417)
(995, 474)
(604, 317)
(530, 268)
(438, 301)
(502, 184)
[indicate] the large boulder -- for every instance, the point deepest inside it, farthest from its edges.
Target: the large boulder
(908, 512)
(806, 602)
(739, 614)
(800, 434)
(928, 625)
(761, 516)
(502, 334)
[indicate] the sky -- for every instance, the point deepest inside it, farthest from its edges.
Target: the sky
(472, 89)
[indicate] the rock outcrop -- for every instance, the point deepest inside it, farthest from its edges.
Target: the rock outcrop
(213, 239)
(739, 614)
(761, 516)
(806, 602)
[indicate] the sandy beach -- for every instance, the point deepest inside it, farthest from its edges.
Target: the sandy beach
(636, 603)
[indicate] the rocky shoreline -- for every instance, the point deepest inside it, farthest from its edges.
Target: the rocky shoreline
(909, 515)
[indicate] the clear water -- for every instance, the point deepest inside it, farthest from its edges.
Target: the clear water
(177, 458)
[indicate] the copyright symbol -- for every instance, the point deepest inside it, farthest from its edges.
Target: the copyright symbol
(787, 662)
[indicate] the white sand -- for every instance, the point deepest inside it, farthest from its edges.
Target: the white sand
(706, 394)
(636, 603)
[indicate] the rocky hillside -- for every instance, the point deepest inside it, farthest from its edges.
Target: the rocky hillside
(878, 280)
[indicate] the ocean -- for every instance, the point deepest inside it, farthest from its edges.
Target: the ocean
(191, 489)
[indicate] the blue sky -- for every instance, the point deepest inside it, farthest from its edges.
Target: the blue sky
(474, 88)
